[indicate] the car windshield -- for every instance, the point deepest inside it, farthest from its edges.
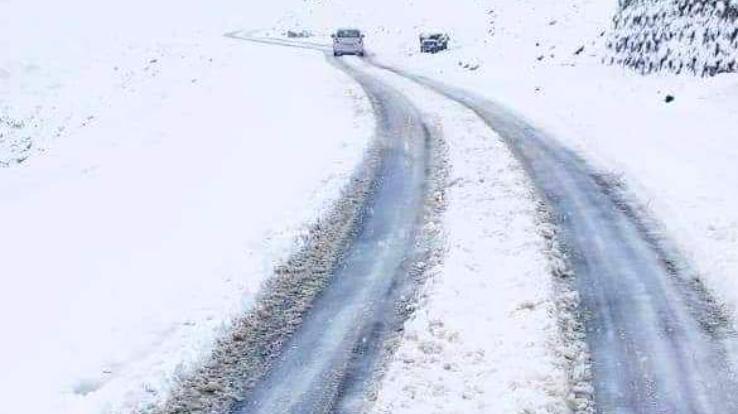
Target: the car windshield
(349, 33)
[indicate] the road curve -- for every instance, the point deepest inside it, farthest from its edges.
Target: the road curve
(329, 358)
(659, 343)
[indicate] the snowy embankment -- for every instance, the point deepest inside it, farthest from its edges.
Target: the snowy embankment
(169, 169)
(486, 335)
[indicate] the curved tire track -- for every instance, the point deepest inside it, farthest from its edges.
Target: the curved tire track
(311, 343)
(659, 343)
(326, 365)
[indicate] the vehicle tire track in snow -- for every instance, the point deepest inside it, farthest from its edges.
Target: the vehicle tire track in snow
(241, 358)
(328, 363)
(311, 342)
(651, 331)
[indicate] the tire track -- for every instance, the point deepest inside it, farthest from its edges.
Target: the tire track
(327, 363)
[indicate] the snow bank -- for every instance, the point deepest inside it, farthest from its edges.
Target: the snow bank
(169, 167)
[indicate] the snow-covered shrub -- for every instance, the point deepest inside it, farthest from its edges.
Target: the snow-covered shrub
(698, 37)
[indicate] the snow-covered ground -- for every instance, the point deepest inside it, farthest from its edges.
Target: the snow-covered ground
(169, 168)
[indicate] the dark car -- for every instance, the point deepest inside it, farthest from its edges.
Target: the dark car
(433, 42)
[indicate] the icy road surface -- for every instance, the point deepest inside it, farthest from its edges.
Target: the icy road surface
(326, 363)
(658, 342)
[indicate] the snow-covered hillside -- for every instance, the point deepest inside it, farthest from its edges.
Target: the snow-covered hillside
(698, 37)
(161, 184)
(63, 64)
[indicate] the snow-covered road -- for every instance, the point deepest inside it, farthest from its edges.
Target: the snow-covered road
(658, 341)
(190, 222)
(327, 363)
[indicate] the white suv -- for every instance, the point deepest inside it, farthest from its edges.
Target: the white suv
(348, 42)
